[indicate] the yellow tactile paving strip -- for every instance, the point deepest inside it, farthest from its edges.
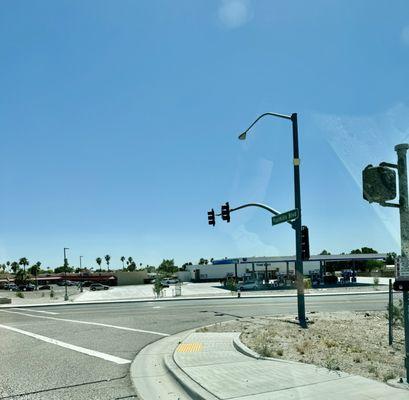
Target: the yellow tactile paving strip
(189, 347)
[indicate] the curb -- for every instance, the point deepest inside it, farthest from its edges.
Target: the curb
(146, 300)
(191, 387)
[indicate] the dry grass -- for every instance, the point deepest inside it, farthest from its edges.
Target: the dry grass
(356, 343)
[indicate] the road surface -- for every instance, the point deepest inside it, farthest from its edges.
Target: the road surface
(85, 351)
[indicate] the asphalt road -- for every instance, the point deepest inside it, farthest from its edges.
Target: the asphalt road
(85, 351)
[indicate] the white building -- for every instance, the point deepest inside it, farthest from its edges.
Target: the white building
(218, 269)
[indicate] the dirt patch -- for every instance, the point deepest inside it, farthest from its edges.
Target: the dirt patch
(356, 343)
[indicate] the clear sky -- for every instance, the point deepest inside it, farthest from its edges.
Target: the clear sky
(119, 124)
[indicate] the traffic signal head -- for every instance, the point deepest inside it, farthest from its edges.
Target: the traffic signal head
(211, 217)
(379, 184)
(305, 244)
(226, 212)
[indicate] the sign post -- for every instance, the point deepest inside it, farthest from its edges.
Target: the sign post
(379, 185)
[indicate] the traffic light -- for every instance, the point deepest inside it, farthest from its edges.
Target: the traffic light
(211, 217)
(305, 244)
(379, 184)
(226, 212)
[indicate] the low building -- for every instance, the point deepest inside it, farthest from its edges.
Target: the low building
(271, 266)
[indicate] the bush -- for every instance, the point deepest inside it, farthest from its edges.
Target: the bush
(52, 293)
(307, 283)
(20, 294)
(231, 284)
(375, 281)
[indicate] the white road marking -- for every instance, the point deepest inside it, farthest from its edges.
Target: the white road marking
(156, 307)
(123, 328)
(29, 309)
(89, 352)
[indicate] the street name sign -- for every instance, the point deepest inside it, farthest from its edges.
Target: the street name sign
(284, 217)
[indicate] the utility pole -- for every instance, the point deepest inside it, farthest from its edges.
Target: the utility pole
(81, 289)
(65, 273)
(379, 186)
(401, 150)
(298, 226)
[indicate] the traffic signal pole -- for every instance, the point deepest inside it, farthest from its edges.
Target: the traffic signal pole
(297, 226)
(401, 150)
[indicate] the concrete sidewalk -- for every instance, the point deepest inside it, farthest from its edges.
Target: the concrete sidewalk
(214, 366)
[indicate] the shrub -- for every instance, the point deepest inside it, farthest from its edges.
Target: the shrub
(375, 281)
(20, 294)
(307, 283)
(52, 293)
(332, 364)
(280, 352)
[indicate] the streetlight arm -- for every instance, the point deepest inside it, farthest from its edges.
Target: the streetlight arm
(269, 209)
(265, 114)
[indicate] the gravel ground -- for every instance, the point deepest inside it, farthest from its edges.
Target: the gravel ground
(356, 343)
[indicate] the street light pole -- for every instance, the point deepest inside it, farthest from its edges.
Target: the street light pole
(297, 224)
(401, 150)
(65, 273)
(81, 289)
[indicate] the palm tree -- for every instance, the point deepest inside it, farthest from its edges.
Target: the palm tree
(107, 258)
(34, 270)
(123, 259)
(24, 262)
(8, 264)
(15, 267)
(99, 261)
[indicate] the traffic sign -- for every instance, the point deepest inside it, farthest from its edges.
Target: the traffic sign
(284, 217)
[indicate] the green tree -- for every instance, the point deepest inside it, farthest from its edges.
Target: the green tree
(132, 266)
(123, 260)
(390, 259)
(99, 261)
(63, 268)
(325, 253)
(35, 269)
(368, 250)
(8, 264)
(22, 277)
(107, 259)
(203, 261)
(15, 266)
(24, 262)
(167, 267)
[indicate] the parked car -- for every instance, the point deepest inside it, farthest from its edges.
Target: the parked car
(13, 287)
(29, 287)
(248, 285)
(169, 281)
(98, 286)
(65, 283)
(44, 287)
(85, 284)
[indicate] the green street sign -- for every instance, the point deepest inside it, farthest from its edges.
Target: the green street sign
(284, 217)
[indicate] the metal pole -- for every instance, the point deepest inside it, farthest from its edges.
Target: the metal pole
(297, 225)
(65, 274)
(390, 312)
(81, 289)
(401, 150)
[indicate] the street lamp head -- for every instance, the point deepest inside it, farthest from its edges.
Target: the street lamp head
(242, 136)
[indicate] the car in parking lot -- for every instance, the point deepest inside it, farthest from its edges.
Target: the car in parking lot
(98, 286)
(29, 287)
(248, 285)
(13, 287)
(44, 287)
(169, 281)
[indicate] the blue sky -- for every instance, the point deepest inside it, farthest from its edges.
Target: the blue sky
(119, 124)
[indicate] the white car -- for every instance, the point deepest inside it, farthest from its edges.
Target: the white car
(248, 285)
(169, 281)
